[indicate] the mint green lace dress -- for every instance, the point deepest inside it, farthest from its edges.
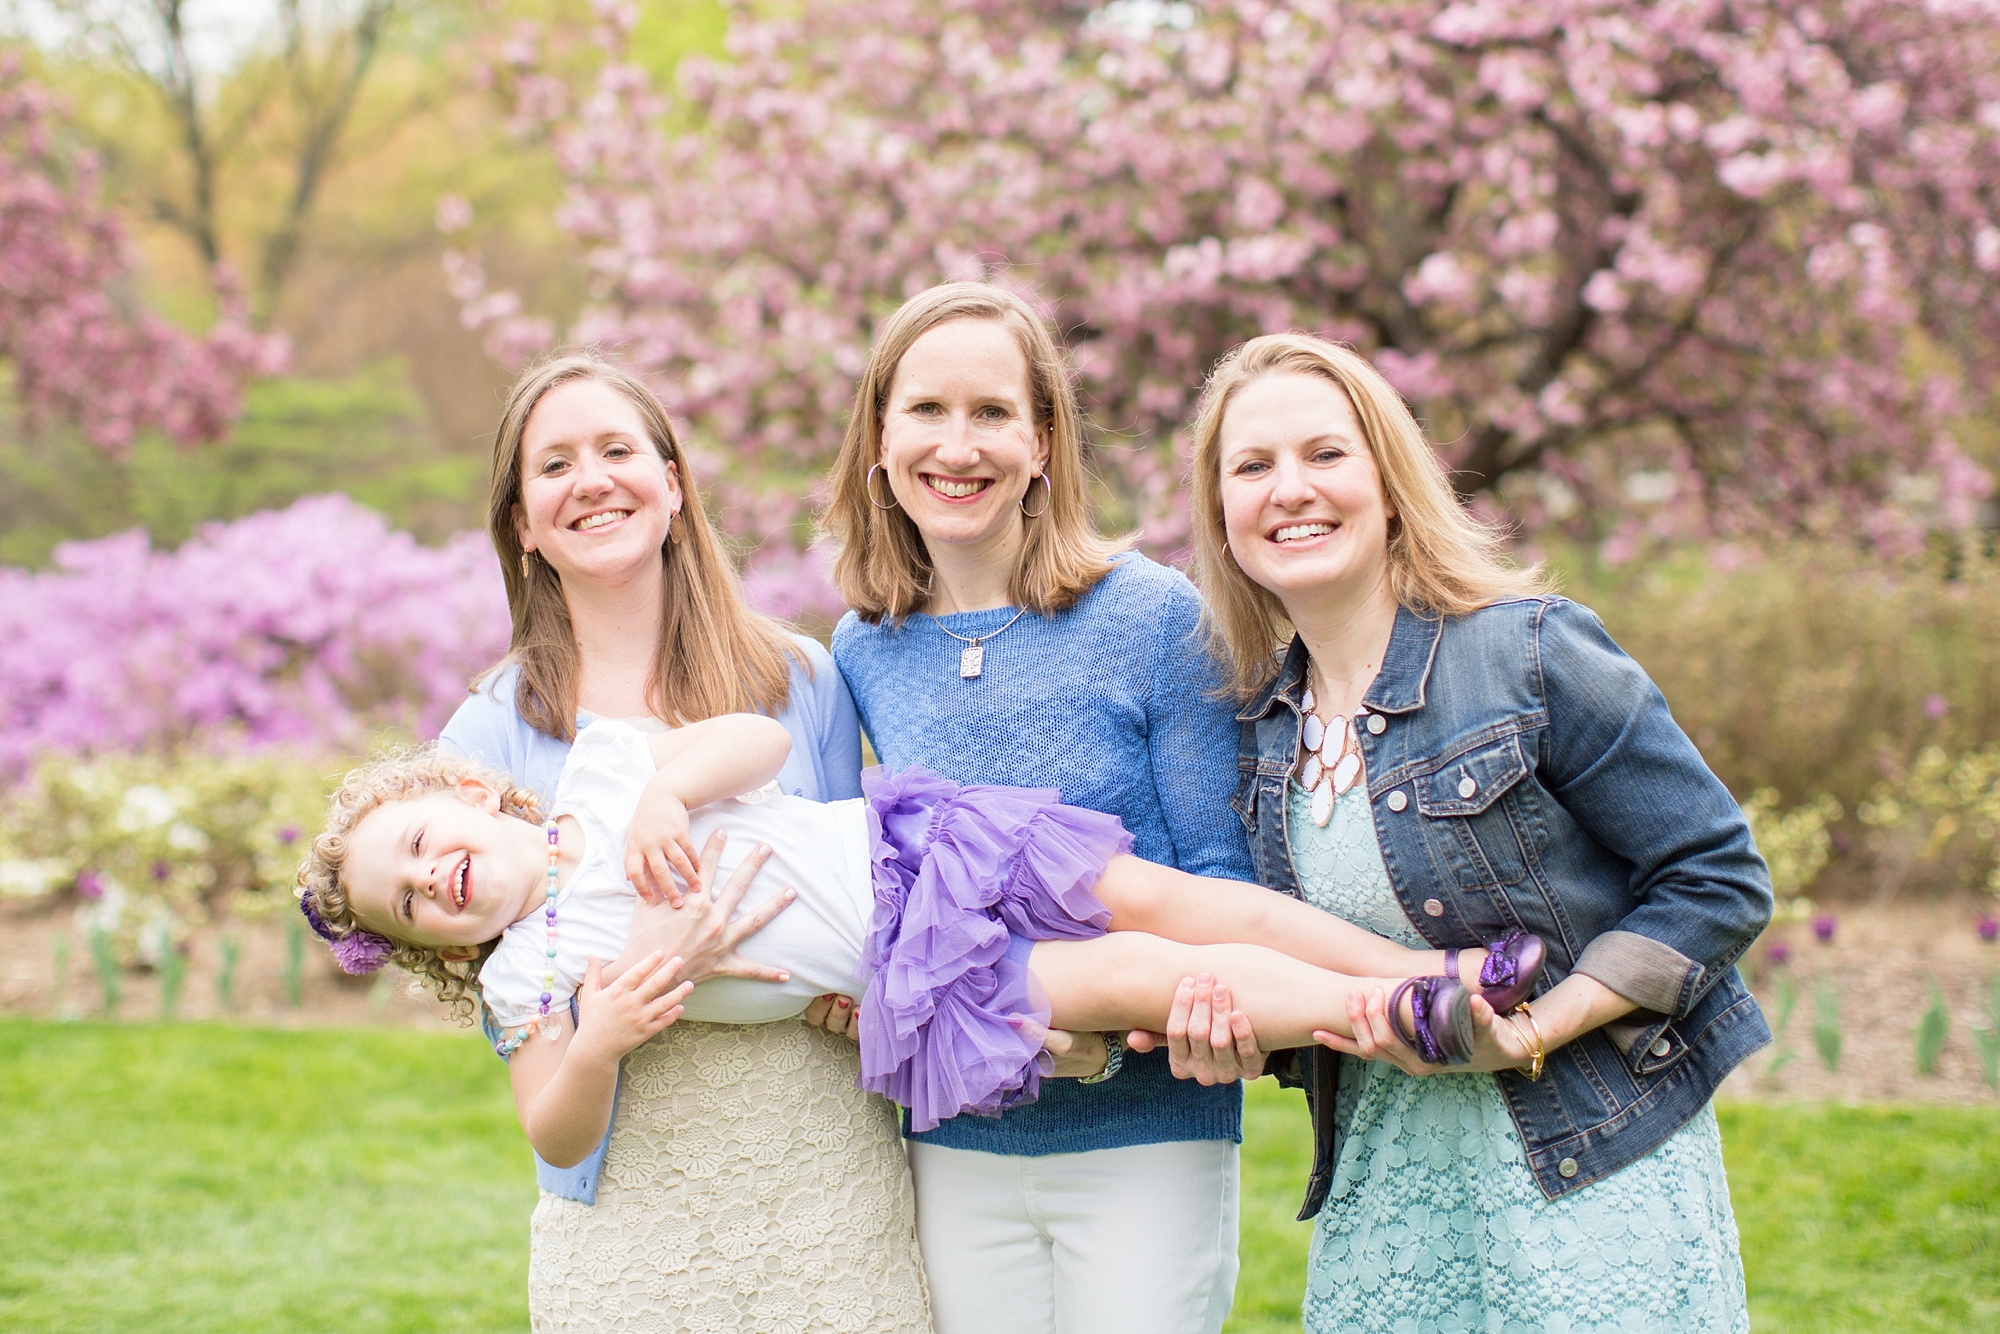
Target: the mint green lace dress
(1434, 1224)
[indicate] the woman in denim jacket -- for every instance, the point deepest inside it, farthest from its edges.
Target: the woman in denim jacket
(1506, 767)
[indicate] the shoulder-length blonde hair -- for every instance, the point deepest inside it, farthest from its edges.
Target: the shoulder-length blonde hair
(1442, 560)
(882, 567)
(715, 655)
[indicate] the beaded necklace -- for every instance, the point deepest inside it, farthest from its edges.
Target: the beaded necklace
(550, 1025)
(1329, 754)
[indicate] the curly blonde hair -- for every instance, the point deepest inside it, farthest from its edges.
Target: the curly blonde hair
(401, 775)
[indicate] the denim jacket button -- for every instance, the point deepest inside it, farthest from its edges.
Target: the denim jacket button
(1376, 724)
(1432, 908)
(1567, 1167)
(1397, 801)
(1466, 787)
(1661, 1047)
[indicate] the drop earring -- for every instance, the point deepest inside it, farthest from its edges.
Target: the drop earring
(524, 565)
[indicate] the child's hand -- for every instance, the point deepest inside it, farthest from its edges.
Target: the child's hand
(658, 844)
(615, 1018)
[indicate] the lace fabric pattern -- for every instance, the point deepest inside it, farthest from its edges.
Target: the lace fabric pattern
(1434, 1224)
(750, 1188)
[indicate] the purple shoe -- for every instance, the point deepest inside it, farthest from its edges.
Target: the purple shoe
(1513, 962)
(1441, 1008)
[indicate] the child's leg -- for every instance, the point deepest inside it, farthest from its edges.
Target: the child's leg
(1145, 896)
(1127, 979)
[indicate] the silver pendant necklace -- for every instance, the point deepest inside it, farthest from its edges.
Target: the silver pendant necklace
(1330, 755)
(972, 659)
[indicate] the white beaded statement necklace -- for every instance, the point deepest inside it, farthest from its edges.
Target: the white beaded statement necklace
(1329, 755)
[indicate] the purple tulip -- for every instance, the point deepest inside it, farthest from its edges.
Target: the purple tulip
(1989, 928)
(90, 885)
(1823, 927)
(1934, 707)
(1779, 953)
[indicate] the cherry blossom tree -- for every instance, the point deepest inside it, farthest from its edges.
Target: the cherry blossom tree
(80, 346)
(1665, 266)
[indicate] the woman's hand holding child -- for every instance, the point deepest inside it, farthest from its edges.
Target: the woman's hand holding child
(699, 928)
(1207, 1039)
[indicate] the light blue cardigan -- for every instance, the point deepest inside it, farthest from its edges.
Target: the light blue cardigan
(825, 765)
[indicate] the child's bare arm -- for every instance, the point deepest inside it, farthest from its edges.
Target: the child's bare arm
(719, 757)
(563, 1090)
(1161, 901)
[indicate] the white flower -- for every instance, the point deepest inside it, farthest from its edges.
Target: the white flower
(184, 837)
(146, 806)
(30, 878)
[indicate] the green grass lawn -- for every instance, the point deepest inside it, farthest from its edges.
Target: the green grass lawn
(195, 1177)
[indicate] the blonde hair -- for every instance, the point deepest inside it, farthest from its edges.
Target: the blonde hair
(715, 655)
(882, 568)
(401, 776)
(1442, 560)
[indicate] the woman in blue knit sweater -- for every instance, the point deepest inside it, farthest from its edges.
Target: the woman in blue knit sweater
(996, 638)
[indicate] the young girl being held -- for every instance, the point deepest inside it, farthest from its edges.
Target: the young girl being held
(967, 920)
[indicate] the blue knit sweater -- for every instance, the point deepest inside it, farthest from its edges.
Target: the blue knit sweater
(1109, 703)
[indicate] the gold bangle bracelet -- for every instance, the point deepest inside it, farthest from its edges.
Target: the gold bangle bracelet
(1541, 1046)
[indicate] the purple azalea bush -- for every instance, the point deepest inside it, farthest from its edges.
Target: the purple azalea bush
(307, 626)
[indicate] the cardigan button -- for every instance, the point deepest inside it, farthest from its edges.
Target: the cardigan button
(1567, 1167)
(1432, 908)
(1397, 801)
(1661, 1047)
(1376, 725)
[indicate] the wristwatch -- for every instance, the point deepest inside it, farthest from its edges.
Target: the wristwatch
(1114, 1059)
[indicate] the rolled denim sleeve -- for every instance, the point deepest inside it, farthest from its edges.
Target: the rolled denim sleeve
(1624, 770)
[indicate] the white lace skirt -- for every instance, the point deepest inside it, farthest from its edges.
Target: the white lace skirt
(750, 1187)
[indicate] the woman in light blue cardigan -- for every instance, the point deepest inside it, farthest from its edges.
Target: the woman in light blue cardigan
(996, 638)
(745, 1183)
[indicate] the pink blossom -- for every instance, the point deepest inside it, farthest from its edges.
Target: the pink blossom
(80, 350)
(309, 624)
(1689, 240)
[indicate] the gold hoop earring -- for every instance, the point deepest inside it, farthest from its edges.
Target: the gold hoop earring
(868, 485)
(1048, 496)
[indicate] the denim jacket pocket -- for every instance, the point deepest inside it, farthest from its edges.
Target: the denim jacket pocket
(1472, 782)
(1472, 834)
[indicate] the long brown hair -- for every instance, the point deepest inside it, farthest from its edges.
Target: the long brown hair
(883, 568)
(715, 655)
(1442, 560)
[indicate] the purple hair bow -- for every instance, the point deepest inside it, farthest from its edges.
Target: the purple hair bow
(358, 953)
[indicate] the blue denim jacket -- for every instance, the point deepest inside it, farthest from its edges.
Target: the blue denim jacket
(1528, 774)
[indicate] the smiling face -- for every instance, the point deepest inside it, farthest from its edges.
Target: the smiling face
(960, 444)
(1302, 499)
(596, 496)
(446, 871)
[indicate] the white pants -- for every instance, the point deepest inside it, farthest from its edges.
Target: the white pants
(1139, 1239)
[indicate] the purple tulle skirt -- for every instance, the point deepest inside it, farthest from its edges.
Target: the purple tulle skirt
(952, 1021)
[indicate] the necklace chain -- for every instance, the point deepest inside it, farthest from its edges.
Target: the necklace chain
(972, 660)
